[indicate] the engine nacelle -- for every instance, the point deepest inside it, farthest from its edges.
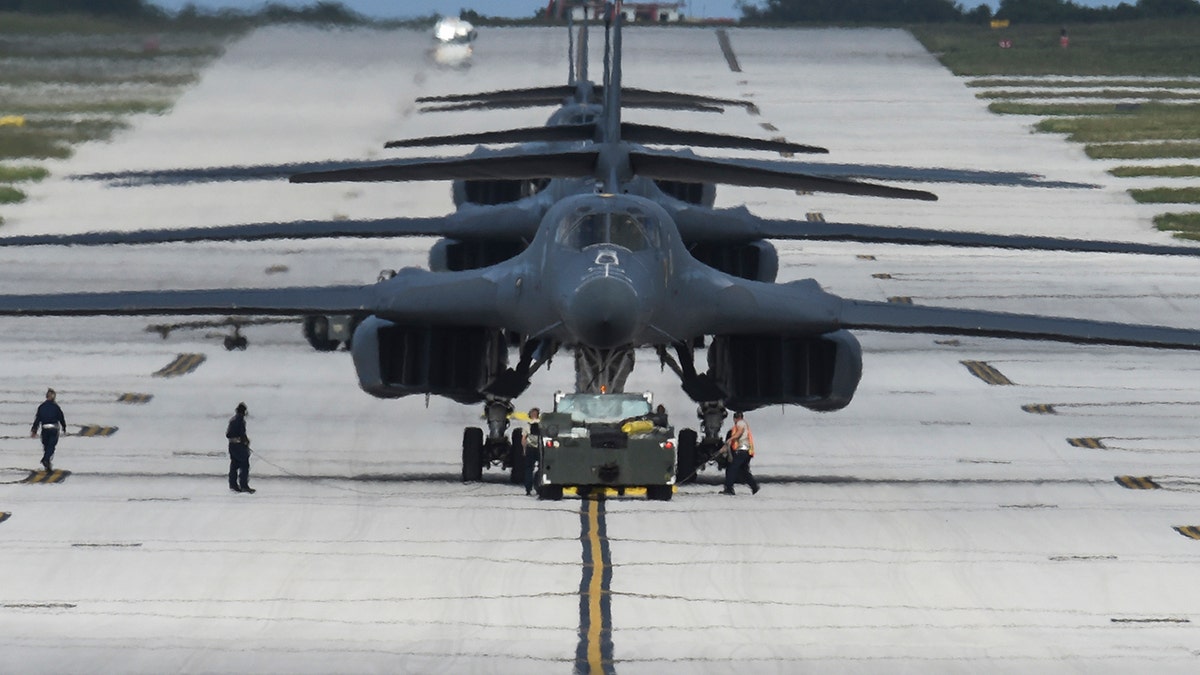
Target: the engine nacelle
(457, 362)
(819, 373)
(755, 260)
(453, 255)
(492, 192)
(701, 194)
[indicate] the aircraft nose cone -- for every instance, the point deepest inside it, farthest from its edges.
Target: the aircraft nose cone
(603, 313)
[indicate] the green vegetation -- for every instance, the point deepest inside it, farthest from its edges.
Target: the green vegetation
(10, 195)
(1118, 54)
(1143, 150)
(1081, 84)
(1173, 171)
(1184, 225)
(1053, 109)
(1188, 195)
(1144, 94)
(22, 174)
(1119, 49)
(1145, 123)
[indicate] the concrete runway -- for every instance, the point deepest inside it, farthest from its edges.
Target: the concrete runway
(935, 525)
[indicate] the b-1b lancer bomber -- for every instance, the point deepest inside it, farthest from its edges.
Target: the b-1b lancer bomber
(611, 269)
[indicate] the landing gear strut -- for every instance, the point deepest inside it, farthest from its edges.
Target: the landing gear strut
(497, 447)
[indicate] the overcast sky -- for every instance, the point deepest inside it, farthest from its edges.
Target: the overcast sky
(508, 8)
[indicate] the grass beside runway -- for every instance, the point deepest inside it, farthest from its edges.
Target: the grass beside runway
(1133, 80)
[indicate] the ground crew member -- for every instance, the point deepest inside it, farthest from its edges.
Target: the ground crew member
(659, 416)
(239, 451)
(741, 447)
(529, 447)
(50, 421)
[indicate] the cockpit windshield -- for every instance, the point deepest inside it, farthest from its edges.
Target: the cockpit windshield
(632, 229)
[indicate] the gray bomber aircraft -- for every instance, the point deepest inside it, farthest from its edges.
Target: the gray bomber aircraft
(605, 273)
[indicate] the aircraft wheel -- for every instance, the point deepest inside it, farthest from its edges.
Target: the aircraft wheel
(316, 331)
(472, 455)
(238, 342)
(550, 492)
(516, 459)
(661, 493)
(685, 457)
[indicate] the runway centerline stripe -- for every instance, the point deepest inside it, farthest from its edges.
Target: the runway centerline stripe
(594, 655)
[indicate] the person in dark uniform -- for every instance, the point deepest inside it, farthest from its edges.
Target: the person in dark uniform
(239, 451)
(659, 416)
(529, 446)
(741, 448)
(50, 421)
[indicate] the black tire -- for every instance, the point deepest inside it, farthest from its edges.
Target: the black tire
(316, 331)
(516, 459)
(550, 492)
(472, 455)
(660, 493)
(685, 457)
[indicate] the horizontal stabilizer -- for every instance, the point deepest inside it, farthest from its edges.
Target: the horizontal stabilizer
(637, 133)
(738, 224)
(656, 135)
(557, 95)
(217, 174)
(492, 222)
(565, 132)
(547, 102)
(902, 318)
(664, 166)
(521, 165)
(226, 302)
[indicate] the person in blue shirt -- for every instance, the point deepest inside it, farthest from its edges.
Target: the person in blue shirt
(239, 451)
(50, 421)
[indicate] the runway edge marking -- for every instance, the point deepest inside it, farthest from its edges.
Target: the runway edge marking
(986, 372)
(594, 655)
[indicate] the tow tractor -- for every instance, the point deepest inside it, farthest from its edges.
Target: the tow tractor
(601, 440)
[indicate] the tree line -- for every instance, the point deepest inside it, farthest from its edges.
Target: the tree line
(943, 11)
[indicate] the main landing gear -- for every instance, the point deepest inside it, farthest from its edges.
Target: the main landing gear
(497, 448)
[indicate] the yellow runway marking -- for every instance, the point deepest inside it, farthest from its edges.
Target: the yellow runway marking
(182, 365)
(96, 430)
(1090, 443)
(1039, 409)
(1137, 482)
(594, 653)
(134, 398)
(4, 515)
(986, 372)
(56, 476)
(1189, 531)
